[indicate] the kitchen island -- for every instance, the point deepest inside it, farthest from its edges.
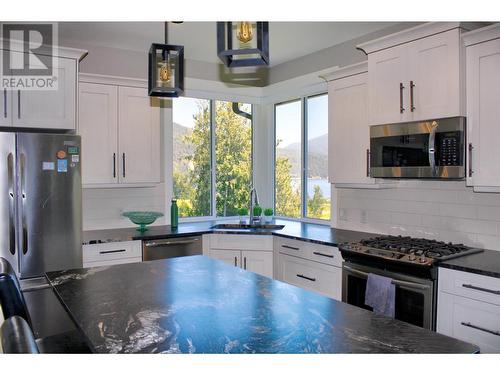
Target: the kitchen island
(200, 305)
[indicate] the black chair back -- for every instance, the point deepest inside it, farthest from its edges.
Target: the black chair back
(11, 298)
(17, 337)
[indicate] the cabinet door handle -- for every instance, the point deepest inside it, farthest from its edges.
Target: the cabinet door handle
(322, 254)
(367, 162)
(401, 88)
(290, 247)
(245, 263)
(114, 165)
(123, 162)
(305, 277)
(470, 325)
(235, 261)
(412, 85)
(470, 286)
(112, 251)
(470, 159)
(18, 103)
(5, 103)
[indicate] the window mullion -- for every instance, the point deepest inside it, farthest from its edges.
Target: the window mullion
(213, 202)
(304, 157)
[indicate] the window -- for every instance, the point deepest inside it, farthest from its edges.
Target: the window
(212, 154)
(301, 168)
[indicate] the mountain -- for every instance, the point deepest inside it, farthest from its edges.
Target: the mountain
(317, 157)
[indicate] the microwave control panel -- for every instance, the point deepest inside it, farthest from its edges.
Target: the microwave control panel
(449, 149)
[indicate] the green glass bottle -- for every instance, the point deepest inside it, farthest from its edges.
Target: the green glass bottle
(174, 214)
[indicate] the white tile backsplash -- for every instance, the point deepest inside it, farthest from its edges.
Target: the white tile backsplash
(444, 210)
(102, 208)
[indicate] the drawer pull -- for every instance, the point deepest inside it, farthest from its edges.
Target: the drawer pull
(470, 325)
(322, 254)
(290, 247)
(305, 277)
(112, 251)
(470, 286)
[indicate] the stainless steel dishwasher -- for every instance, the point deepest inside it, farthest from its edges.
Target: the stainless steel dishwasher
(171, 248)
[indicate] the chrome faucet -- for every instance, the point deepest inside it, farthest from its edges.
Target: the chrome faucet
(253, 193)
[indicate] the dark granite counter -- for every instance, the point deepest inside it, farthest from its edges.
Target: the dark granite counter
(318, 233)
(485, 263)
(199, 305)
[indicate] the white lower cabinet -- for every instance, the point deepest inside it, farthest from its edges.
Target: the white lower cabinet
(251, 252)
(107, 254)
(317, 277)
(311, 266)
(469, 308)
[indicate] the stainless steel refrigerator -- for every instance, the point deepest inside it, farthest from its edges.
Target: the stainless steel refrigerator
(41, 204)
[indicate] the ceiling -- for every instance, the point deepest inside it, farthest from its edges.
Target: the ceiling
(287, 40)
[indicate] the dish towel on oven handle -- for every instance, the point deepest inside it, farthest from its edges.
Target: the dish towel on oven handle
(380, 294)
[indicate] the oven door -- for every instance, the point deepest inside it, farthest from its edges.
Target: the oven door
(414, 296)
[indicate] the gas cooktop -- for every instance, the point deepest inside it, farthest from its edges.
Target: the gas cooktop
(406, 250)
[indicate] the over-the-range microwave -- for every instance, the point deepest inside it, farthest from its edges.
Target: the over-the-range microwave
(425, 149)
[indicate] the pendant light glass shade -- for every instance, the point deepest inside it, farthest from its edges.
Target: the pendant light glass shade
(243, 43)
(166, 70)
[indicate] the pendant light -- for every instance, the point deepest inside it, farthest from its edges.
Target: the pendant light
(166, 69)
(243, 43)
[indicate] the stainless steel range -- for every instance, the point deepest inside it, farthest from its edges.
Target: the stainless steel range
(409, 262)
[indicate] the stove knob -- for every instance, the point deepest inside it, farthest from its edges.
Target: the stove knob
(422, 259)
(412, 257)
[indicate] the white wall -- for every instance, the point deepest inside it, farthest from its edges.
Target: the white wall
(443, 210)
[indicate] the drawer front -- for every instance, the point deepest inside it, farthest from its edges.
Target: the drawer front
(111, 262)
(311, 251)
(470, 285)
(241, 242)
(323, 279)
(470, 320)
(112, 251)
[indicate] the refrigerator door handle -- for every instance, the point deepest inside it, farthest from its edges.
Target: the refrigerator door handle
(12, 227)
(24, 237)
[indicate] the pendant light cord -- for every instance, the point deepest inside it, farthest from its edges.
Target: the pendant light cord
(166, 32)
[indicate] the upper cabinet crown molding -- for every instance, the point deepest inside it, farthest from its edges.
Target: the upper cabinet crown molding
(414, 33)
(112, 80)
(59, 51)
(481, 35)
(346, 71)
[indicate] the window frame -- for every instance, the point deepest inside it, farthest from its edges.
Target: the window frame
(213, 170)
(303, 149)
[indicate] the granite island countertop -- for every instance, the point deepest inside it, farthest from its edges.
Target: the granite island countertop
(317, 233)
(200, 305)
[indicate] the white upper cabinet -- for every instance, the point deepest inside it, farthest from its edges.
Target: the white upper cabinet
(435, 84)
(416, 74)
(98, 128)
(6, 108)
(45, 109)
(348, 129)
(388, 70)
(138, 136)
(49, 109)
(483, 108)
(120, 130)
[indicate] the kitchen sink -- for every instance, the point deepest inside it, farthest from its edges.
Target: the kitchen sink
(255, 227)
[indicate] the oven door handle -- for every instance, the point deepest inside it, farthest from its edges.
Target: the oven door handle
(396, 282)
(432, 148)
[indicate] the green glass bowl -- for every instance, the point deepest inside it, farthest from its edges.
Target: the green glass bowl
(142, 218)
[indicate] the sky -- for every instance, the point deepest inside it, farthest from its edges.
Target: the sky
(288, 120)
